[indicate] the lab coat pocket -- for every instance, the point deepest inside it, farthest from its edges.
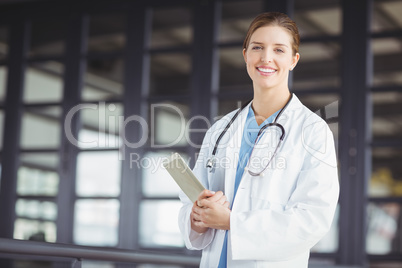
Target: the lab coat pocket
(263, 204)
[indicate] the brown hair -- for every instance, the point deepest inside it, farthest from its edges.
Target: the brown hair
(274, 19)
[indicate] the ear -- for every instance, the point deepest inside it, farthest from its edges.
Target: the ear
(244, 55)
(295, 60)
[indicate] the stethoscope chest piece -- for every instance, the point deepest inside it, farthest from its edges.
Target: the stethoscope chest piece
(211, 162)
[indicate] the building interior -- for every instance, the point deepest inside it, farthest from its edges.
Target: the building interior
(94, 95)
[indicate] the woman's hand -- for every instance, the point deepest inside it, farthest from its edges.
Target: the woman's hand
(211, 210)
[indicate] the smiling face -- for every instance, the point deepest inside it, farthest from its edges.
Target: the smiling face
(269, 58)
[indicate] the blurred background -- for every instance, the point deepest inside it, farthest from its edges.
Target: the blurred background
(73, 73)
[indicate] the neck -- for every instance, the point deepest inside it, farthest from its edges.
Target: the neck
(266, 103)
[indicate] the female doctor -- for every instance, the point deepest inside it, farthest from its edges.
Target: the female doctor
(269, 169)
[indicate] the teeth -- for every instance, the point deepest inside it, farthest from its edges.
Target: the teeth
(266, 70)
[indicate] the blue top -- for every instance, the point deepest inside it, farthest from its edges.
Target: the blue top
(251, 129)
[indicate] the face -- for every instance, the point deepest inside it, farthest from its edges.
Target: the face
(269, 58)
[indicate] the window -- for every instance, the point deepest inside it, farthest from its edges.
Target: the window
(37, 189)
(38, 172)
(384, 217)
(47, 39)
(167, 115)
(3, 80)
(182, 68)
(100, 113)
(3, 42)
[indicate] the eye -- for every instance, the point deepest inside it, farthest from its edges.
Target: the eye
(279, 50)
(256, 48)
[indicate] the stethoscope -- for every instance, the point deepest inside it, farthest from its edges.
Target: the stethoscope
(212, 160)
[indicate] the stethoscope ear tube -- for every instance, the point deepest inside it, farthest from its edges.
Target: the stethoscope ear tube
(228, 126)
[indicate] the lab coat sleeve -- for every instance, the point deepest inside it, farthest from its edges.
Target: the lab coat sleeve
(283, 232)
(192, 239)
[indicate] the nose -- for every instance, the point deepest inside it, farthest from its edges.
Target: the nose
(266, 57)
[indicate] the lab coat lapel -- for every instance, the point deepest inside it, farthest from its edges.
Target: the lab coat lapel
(232, 152)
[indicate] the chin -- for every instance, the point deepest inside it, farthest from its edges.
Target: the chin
(268, 86)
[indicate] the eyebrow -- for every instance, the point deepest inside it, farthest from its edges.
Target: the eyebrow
(260, 43)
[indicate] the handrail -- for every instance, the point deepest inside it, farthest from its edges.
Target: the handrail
(13, 246)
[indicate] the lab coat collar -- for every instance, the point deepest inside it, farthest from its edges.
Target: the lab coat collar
(294, 104)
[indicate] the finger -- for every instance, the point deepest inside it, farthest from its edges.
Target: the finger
(222, 200)
(196, 210)
(205, 194)
(196, 217)
(216, 196)
(199, 224)
(226, 204)
(198, 203)
(206, 203)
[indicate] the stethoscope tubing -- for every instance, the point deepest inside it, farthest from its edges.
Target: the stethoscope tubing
(210, 161)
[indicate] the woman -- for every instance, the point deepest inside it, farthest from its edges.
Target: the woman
(264, 208)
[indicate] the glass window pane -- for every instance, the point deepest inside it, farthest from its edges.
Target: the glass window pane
(107, 32)
(37, 181)
(3, 42)
(36, 209)
(47, 36)
(98, 174)
(158, 224)
(3, 83)
(41, 128)
(43, 82)
(32, 263)
(1, 128)
(168, 121)
(386, 177)
(387, 115)
(386, 16)
(96, 222)
(156, 180)
(387, 53)
(383, 230)
(318, 17)
(236, 18)
(46, 161)
(171, 27)
(170, 74)
(98, 264)
(319, 66)
(321, 262)
(227, 106)
(35, 230)
(103, 80)
(100, 125)
(232, 70)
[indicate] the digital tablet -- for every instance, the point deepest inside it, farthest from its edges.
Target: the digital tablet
(183, 176)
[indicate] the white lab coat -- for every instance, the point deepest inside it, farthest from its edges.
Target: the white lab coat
(275, 219)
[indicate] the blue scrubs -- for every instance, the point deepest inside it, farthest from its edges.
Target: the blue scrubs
(250, 133)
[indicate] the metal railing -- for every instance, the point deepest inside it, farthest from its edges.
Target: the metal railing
(33, 248)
